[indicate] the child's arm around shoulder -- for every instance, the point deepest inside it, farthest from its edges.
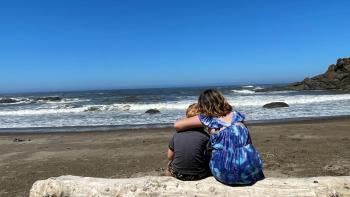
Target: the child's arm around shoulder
(187, 123)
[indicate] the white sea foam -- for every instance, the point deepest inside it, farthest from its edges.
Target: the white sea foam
(244, 91)
(258, 88)
(64, 100)
(260, 100)
(39, 111)
(24, 100)
(248, 86)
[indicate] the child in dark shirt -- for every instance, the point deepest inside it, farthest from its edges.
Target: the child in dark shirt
(187, 153)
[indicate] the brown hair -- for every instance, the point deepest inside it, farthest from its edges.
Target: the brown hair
(192, 110)
(213, 104)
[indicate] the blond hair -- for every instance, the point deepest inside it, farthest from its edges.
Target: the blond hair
(192, 110)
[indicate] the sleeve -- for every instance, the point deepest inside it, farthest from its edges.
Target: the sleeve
(209, 122)
(171, 143)
(238, 117)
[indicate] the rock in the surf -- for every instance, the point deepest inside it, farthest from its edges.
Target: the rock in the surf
(152, 111)
(49, 98)
(92, 109)
(8, 100)
(275, 105)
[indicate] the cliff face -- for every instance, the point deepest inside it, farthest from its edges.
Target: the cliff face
(336, 77)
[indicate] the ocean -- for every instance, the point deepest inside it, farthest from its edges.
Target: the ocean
(120, 109)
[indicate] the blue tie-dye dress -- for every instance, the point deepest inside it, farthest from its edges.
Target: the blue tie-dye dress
(234, 159)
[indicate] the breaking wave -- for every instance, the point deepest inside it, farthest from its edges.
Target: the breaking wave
(244, 91)
(40, 100)
(237, 101)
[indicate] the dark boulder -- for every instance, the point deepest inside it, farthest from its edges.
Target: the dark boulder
(152, 111)
(8, 100)
(275, 105)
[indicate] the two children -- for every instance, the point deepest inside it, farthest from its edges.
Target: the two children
(234, 159)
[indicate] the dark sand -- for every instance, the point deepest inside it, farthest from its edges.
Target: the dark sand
(294, 149)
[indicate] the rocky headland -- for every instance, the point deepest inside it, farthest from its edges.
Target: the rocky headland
(337, 77)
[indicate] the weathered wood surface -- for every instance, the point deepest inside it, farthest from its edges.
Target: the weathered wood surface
(74, 186)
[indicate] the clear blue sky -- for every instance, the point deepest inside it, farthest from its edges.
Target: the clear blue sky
(72, 44)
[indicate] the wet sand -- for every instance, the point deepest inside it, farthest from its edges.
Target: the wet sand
(290, 149)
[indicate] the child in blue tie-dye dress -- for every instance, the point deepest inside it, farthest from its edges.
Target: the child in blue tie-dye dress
(234, 159)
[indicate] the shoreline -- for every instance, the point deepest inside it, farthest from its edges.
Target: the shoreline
(134, 128)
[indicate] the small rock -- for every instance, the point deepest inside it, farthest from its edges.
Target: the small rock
(275, 105)
(315, 181)
(152, 111)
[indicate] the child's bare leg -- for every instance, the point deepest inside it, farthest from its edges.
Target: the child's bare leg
(170, 155)
(167, 171)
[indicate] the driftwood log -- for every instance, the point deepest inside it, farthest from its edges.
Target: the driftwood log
(75, 186)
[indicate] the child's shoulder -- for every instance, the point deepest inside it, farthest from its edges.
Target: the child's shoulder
(238, 117)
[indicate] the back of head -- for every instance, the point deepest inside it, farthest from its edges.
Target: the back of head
(192, 110)
(213, 104)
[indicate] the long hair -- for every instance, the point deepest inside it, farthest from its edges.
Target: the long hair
(213, 104)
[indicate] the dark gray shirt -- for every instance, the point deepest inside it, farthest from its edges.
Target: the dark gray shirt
(190, 152)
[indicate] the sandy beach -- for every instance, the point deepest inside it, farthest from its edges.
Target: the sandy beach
(289, 149)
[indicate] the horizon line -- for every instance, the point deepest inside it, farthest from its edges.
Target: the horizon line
(138, 88)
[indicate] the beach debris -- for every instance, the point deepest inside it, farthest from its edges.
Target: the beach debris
(152, 111)
(18, 140)
(275, 105)
(70, 186)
